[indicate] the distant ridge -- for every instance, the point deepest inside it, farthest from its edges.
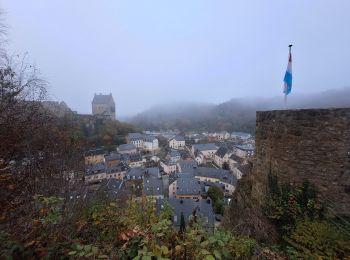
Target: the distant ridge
(237, 114)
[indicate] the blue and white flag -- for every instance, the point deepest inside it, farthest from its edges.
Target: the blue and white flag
(288, 76)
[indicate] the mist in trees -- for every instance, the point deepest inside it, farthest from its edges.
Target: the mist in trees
(237, 114)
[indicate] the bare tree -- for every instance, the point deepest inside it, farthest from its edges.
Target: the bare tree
(37, 149)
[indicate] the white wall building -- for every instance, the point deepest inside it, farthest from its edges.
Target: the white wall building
(221, 156)
(150, 143)
(177, 142)
(168, 166)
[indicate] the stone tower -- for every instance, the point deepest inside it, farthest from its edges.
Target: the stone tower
(104, 106)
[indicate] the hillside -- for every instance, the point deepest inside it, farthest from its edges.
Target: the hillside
(237, 114)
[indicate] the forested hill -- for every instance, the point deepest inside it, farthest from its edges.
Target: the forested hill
(238, 114)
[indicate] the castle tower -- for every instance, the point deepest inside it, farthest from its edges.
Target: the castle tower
(104, 106)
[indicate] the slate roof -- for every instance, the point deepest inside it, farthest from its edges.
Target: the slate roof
(220, 174)
(245, 147)
(111, 184)
(95, 168)
(115, 189)
(113, 156)
(203, 208)
(153, 186)
(174, 153)
(204, 147)
(125, 147)
(121, 167)
(189, 186)
(139, 136)
(241, 134)
(168, 162)
(245, 168)
(236, 158)
(221, 152)
(187, 165)
(102, 99)
(92, 152)
(135, 157)
(136, 171)
(153, 172)
(178, 138)
(134, 136)
(148, 138)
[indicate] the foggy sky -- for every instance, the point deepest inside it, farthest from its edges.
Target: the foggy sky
(148, 52)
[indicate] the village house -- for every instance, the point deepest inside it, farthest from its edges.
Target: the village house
(234, 161)
(113, 159)
(224, 135)
(136, 173)
(117, 171)
(240, 136)
(173, 156)
(134, 160)
(221, 156)
(168, 166)
(153, 172)
(94, 156)
(150, 143)
(185, 165)
(187, 187)
(95, 172)
(241, 170)
(177, 142)
(153, 188)
(206, 174)
(195, 138)
(126, 149)
(217, 176)
(135, 139)
(199, 157)
(244, 151)
(100, 171)
(143, 141)
(173, 177)
(208, 150)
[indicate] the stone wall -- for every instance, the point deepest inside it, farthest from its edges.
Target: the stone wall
(295, 145)
(311, 144)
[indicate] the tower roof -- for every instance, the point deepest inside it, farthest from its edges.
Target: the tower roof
(102, 99)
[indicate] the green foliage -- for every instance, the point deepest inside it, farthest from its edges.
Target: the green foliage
(50, 208)
(86, 251)
(217, 196)
(167, 211)
(302, 223)
(319, 240)
(101, 220)
(102, 229)
(198, 244)
(286, 204)
(98, 132)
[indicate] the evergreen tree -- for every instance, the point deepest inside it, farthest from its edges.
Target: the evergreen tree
(182, 223)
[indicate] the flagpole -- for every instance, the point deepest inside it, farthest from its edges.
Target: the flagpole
(285, 101)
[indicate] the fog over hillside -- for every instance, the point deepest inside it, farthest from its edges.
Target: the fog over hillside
(237, 114)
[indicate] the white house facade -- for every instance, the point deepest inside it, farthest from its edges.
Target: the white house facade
(177, 142)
